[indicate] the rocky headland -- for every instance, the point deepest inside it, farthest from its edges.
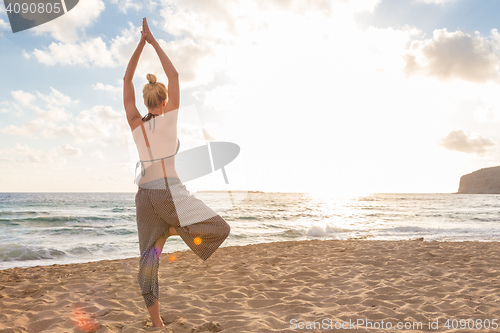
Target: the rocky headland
(482, 181)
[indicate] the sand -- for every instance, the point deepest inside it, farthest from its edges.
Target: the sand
(275, 287)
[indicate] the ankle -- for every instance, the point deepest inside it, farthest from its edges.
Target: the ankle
(157, 322)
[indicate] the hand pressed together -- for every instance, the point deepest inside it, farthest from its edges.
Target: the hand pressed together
(146, 33)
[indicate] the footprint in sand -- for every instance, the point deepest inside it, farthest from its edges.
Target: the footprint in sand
(207, 327)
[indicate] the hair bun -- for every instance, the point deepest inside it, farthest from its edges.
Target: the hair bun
(151, 78)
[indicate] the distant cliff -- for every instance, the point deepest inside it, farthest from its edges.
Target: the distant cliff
(483, 181)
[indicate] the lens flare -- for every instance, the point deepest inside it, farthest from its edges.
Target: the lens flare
(158, 252)
(197, 240)
(171, 258)
(83, 321)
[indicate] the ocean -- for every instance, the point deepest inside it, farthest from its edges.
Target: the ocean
(61, 228)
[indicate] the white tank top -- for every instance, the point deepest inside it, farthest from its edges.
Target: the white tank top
(156, 142)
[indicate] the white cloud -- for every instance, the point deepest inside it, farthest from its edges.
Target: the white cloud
(26, 54)
(456, 54)
(67, 150)
(29, 129)
(122, 47)
(206, 29)
(98, 154)
(107, 87)
(54, 104)
(93, 51)
(52, 113)
(5, 109)
(124, 5)
(23, 97)
(193, 60)
(47, 117)
(360, 5)
(487, 113)
(100, 112)
(254, 34)
(4, 25)
(71, 26)
(100, 124)
(22, 154)
(15, 130)
(151, 5)
(32, 155)
(438, 2)
(56, 98)
(196, 60)
(462, 142)
(215, 20)
(205, 18)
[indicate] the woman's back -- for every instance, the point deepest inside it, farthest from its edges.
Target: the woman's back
(156, 139)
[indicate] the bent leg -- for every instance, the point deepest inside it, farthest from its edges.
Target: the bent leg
(201, 228)
(205, 237)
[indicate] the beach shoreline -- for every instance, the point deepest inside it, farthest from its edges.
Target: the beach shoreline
(266, 287)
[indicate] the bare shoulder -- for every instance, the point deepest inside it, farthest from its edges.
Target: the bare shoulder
(135, 122)
(169, 107)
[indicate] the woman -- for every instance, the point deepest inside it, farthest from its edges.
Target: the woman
(164, 205)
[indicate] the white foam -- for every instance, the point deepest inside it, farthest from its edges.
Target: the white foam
(319, 231)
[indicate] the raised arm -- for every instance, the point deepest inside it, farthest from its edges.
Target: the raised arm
(172, 75)
(128, 86)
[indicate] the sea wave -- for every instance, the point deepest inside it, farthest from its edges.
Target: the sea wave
(22, 213)
(51, 221)
(17, 252)
(328, 230)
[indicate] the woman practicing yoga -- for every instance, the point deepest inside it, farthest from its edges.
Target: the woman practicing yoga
(164, 205)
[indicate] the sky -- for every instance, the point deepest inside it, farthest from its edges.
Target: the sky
(323, 96)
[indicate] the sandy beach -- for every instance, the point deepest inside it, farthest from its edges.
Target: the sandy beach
(308, 286)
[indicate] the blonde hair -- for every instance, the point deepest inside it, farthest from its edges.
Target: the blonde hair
(154, 92)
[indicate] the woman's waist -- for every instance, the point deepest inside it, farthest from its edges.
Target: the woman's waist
(150, 155)
(158, 161)
(157, 166)
(161, 183)
(150, 171)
